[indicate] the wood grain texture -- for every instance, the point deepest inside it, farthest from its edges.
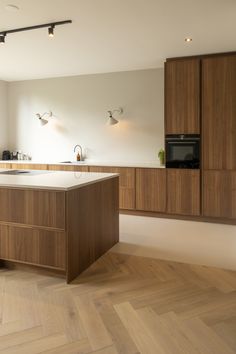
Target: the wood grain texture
(182, 97)
(29, 166)
(183, 191)
(219, 194)
(5, 165)
(219, 112)
(70, 168)
(126, 184)
(33, 207)
(123, 304)
(151, 189)
(92, 224)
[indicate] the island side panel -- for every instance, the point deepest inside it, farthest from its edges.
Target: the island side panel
(92, 224)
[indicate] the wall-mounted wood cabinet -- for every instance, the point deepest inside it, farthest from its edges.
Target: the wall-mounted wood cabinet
(219, 194)
(151, 189)
(183, 192)
(182, 96)
(219, 112)
(126, 184)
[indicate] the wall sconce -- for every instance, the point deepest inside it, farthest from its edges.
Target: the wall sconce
(44, 121)
(111, 119)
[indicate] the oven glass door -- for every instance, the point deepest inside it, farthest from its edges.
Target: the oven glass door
(182, 154)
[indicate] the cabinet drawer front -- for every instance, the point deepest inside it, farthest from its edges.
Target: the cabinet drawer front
(39, 247)
(31, 207)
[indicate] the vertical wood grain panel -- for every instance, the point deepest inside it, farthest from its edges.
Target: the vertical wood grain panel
(183, 191)
(182, 96)
(151, 189)
(219, 112)
(93, 224)
(219, 194)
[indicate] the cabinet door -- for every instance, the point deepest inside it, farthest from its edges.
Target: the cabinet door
(126, 184)
(151, 189)
(219, 194)
(219, 112)
(182, 96)
(5, 165)
(183, 191)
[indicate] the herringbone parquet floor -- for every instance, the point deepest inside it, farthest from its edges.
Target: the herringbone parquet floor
(122, 304)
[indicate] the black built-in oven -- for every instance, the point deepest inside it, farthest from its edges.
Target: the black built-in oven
(182, 151)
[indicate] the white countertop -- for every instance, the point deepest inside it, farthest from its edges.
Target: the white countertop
(55, 180)
(90, 163)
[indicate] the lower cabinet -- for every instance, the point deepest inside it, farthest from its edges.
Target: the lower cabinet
(126, 184)
(151, 189)
(34, 246)
(219, 194)
(183, 191)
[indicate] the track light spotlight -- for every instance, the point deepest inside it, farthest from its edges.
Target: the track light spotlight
(51, 31)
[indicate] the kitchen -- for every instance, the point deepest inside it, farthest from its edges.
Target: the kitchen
(79, 102)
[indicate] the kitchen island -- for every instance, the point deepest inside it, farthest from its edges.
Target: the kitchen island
(61, 221)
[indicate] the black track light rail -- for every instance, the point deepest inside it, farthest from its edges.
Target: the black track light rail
(30, 28)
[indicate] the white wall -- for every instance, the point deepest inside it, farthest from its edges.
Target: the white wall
(80, 104)
(3, 117)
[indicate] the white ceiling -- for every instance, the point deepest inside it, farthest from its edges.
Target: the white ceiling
(111, 35)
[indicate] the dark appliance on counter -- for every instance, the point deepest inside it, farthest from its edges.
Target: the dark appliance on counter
(182, 151)
(6, 155)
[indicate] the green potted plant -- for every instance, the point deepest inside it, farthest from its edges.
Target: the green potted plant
(161, 156)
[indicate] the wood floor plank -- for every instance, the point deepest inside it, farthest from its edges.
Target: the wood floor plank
(121, 305)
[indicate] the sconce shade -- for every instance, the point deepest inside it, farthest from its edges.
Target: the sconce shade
(43, 121)
(112, 121)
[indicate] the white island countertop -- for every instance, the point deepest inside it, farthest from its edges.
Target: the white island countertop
(55, 180)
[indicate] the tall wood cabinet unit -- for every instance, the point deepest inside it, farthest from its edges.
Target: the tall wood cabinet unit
(182, 96)
(219, 112)
(151, 189)
(219, 136)
(183, 191)
(126, 184)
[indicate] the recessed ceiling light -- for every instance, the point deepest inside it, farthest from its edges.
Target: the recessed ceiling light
(188, 39)
(12, 8)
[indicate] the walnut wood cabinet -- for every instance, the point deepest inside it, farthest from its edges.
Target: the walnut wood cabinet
(219, 194)
(151, 189)
(126, 184)
(219, 112)
(182, 96)
(183, 192)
